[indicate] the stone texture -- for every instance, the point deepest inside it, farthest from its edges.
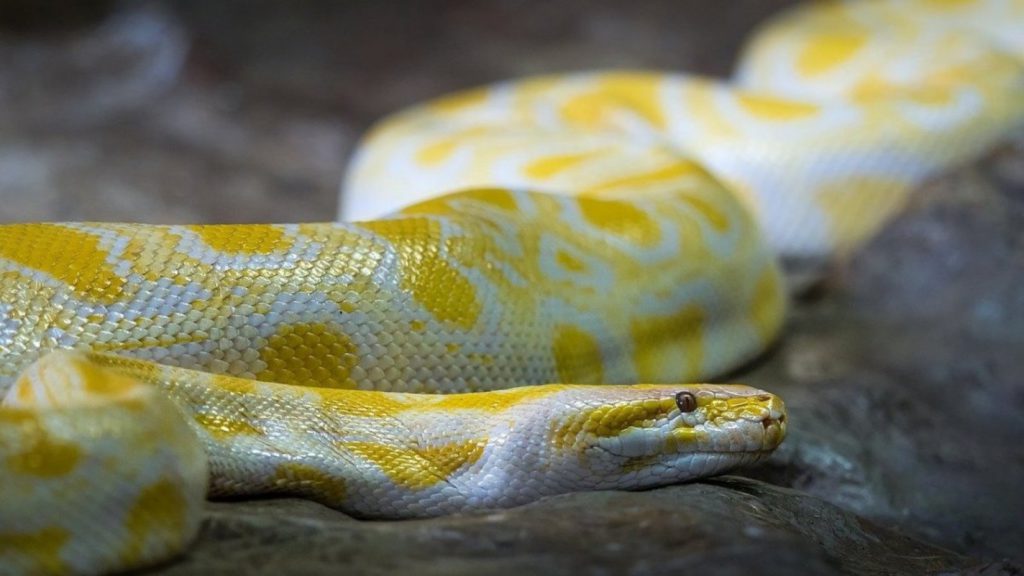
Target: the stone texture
(907, 376)
(725, 526)
(902, 372)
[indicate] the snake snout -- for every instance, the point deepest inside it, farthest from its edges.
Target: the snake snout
(773, 422)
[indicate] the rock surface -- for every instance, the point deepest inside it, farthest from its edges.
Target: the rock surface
(902, 374)
(725, 526)
(907, 376)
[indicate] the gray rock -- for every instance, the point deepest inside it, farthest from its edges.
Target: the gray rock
(904, 381)
(729, 525)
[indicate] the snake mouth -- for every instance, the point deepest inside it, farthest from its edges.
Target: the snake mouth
(739, 437)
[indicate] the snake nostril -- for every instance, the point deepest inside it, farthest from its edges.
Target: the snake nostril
(768, 422)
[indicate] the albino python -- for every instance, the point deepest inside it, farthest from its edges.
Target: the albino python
(611, 228)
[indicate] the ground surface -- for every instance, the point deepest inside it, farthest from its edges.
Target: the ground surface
(902, 374)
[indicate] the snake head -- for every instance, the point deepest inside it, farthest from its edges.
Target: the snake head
(647, 435)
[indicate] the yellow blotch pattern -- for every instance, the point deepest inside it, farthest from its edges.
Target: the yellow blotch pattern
(309, 355)
(18, 416)
(156, 244)
(250, 239)
(569, 262)
(431, 280)
(500, 198)
(613, 94)
(43, 547)
(714, 216)
(222, 427)
(158, 515)
(873, 85)
(305, 480)
(437, 152)
(43, 456)
(577, 355)
(949, 4)
(100, 381)
(933, 96)
(491, 402)
(610, 420)
(419, 468)
(552, 165)
(497, 197)
(659, 341)
(775, 109)
(824, 52)
(69, 255)
(622, 219)
(667, 173)
(683, 436)
(360, 403)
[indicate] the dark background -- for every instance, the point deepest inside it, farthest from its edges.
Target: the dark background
(233, 111)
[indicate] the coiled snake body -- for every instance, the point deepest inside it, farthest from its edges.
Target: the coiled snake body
(612, 228)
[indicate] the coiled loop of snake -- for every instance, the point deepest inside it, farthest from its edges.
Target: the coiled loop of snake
(301, 359)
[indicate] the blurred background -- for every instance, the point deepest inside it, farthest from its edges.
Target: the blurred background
(231, 111)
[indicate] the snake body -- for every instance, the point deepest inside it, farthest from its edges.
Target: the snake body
(611, 228)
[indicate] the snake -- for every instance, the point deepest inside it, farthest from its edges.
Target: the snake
(530, 285)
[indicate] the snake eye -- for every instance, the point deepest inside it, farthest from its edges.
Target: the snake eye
(686, 401)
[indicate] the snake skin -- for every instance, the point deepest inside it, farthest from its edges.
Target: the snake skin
(612, 228)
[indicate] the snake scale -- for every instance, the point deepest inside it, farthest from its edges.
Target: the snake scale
(554, 234)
